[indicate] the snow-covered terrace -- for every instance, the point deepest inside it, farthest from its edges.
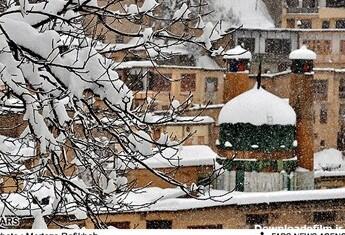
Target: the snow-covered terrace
(171, 199)
(180, 120)
(202, 63)
(192, 155)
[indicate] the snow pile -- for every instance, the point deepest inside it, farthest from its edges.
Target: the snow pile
(141, 142)
(172, 200)
(194, 155)
(257, 107)
(302, 54)
(206, 62)
(182, 13)
(134, 64)
(249, 13)
(211, 33)
(238, 53)
(329, 160)
(178, 120)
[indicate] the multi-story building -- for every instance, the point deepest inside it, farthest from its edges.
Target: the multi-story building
(272, 46)
(313, 14)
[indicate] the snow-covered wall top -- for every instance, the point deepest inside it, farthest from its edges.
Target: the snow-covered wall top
(249, 13)
(257, 107)
(329, 160)
(238, 53)
(302, 54)
(194, 155)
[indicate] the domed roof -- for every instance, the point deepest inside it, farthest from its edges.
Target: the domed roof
(302, 54)
(257, 107)
(238, 53)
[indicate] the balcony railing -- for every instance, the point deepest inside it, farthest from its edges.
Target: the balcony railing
(302, 10)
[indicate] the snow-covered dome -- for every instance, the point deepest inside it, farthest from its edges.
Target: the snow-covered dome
(238, 53)
(257, 107)
(302, 54)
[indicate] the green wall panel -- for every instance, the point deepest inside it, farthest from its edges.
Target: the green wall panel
(269, 138)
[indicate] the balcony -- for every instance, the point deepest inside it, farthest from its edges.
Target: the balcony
(306, 10)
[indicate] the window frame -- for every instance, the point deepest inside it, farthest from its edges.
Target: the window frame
(185, 86)
(158, 224)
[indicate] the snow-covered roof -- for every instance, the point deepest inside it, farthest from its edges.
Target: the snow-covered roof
(134, 64)
(206, 62)
(238, 53)
(193, 155)
(249, 13)
(179, 120)
(329, 160)
(257, 107)
(170, 201)
(11, 105)
(302, 54)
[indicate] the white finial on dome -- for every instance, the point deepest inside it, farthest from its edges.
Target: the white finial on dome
(236, 53)
(302, 54)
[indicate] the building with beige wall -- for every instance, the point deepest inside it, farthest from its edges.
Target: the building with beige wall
(274, 45)
(314, 14)
(194, 164)
(163, 83)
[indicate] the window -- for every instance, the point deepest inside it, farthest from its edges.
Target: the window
(204, 180)
(342, 88)
(157, 133)
(210, 226)
(292, 3)
(342, 47)
(256, 219)
(322, 47)
(188, 82)
(320, 89)
(324, 216)
(325, 24)
(211, 85)
(159, 82)
(290, 23)
(305, 24)
(159, 224)
(119, 38)
(280, 46)
(120, 225)
(63, 49)
(341, 140)
(323, 114)
(101, 19)
(135, 79)
(340, 24)
(309, 4)
(335, 3)
(322, 143)
(342, 112)
(247, 43)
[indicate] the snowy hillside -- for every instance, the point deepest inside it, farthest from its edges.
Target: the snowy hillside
(250, 13)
